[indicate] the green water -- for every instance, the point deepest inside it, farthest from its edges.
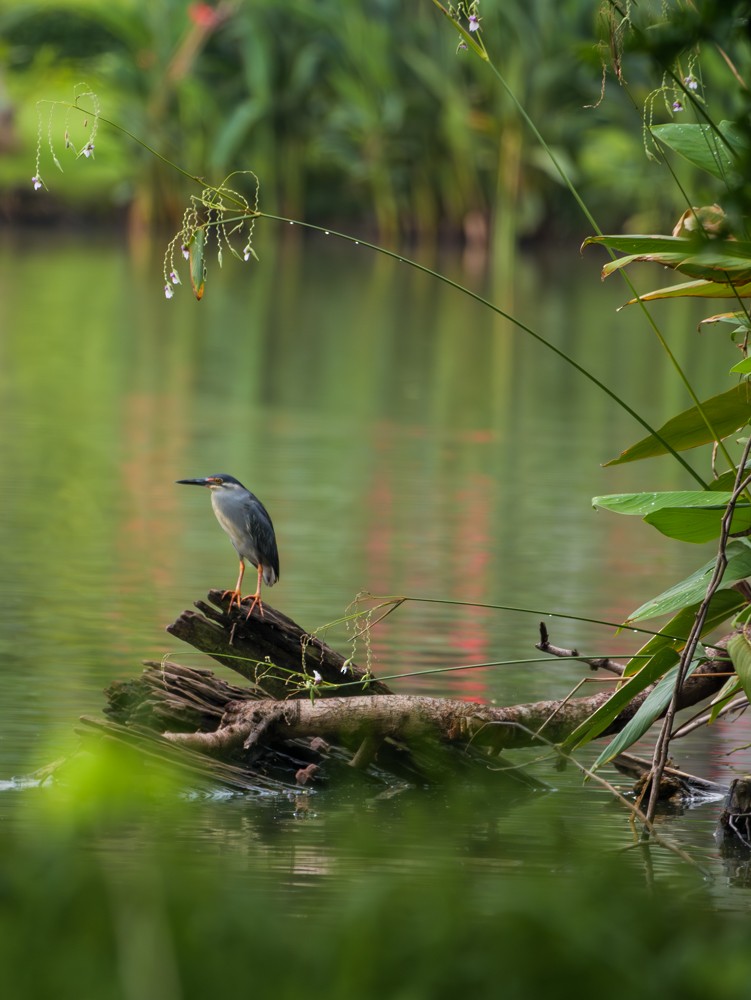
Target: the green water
(405, 441)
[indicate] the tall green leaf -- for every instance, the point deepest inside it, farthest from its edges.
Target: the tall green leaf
(739, 650)
(692, 590)
(726, 412)
(650, 709)
(655, 658)
(598, 722)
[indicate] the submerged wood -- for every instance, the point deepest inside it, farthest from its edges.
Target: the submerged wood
(676, 787)
(735, 822)
(287, 721)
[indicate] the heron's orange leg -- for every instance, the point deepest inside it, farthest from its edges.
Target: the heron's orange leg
(236, 594)
(256, 598)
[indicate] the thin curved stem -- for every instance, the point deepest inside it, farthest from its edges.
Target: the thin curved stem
(500, 312)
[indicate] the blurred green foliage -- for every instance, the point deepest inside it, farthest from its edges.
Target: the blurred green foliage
(112, 887)
(358, 112)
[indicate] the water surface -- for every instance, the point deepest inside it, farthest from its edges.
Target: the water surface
(405, 440)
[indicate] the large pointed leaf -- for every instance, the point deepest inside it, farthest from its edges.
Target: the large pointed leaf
(739, 651)
(697, 524)
(675, 632)
(711, 259)
(726, 413)
(722, 267)
(655, 658)
(650, 709)
(643, 243)
(737, 319)
(687, 515)
(700, 145)
(696, 289)
(693, 589)
(647, 503)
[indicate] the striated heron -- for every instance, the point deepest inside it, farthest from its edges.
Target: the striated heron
(247, 522)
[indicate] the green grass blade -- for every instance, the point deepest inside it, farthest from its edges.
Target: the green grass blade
(739, 650)
(651, 709)
(664, 651)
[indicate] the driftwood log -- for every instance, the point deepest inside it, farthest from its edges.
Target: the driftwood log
(306, 710)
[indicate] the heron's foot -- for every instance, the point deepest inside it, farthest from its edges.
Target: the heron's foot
(235, 598)
(255, 599)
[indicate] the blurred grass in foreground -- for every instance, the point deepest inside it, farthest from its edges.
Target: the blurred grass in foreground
(112, 887)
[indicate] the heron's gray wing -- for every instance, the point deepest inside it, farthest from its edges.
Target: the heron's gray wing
(261, 529)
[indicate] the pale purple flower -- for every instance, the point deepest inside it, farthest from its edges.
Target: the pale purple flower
(169, 291)
(185, 251)
(691, 82)
(474, 22)
(36, 180)
(677, 106)
(174, 277)
(88, 150)
(317, 677)
(462, 46)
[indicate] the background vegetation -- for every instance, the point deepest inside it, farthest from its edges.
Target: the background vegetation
(361, 113)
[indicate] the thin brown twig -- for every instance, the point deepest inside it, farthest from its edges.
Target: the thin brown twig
(598, 663)
(702, 718)
(662, 746)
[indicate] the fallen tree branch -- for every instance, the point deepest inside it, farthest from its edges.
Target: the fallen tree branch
(271, 651)
(349, 721)
(303, 693)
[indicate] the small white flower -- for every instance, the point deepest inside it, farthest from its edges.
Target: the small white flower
(169, 291)
(317, 677)
(174, 277)
(88, 150)
(185, 251)
(36, 180)
(246, 253)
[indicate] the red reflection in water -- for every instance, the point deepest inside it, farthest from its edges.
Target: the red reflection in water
(411, 543)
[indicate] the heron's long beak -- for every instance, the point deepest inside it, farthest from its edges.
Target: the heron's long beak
(193, 482)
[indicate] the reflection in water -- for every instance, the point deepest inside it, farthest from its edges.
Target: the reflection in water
(408, 442)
